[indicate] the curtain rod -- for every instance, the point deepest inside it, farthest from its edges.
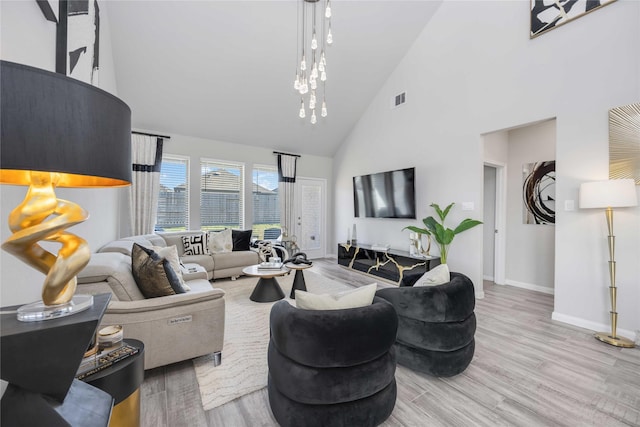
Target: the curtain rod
(287, 154)
(150, 134)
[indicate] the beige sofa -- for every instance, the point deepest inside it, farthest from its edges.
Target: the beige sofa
(173, 328)
(217, 265)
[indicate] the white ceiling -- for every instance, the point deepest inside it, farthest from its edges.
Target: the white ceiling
(224, 70)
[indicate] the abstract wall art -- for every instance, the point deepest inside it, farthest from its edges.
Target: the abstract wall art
(539, 192)
(549, 14)
(624, 142)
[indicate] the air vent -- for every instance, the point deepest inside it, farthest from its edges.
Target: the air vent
(399, 99)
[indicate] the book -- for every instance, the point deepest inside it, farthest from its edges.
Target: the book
(100, 361)
(270, 266)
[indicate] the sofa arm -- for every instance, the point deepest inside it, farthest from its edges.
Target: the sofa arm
(170, 301)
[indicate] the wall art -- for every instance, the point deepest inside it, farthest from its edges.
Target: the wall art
(624, 142)
(549, 14)
(539, 192)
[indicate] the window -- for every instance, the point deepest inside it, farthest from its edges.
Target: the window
(266, 205)
(221, 195)
(173, 202)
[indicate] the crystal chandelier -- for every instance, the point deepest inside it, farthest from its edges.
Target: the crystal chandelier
(312, 66)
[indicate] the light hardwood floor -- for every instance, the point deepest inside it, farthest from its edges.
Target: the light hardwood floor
(528, 370)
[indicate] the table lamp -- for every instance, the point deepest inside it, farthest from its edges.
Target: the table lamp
(614, 193)
(57, 131)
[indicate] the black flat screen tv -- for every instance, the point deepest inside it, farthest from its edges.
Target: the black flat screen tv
(385, 195)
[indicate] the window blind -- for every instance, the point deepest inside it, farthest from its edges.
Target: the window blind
(221, 195)
(173, 201)
(266, 205)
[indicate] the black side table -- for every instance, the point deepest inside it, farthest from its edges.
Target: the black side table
(298, 279)
(122, 380)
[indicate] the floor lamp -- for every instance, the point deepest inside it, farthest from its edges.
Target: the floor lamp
(614, 193)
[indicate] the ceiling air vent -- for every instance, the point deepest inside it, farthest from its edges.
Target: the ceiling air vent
(399, 99)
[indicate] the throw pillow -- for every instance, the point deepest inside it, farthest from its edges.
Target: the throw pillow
(220, 241)
(195, 244)
(153, 274)
(360, 297)
(170, 253)
(436, 276)
(241, 239)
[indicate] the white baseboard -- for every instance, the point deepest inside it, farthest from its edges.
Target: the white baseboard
(479, 294)
(489, 278)
(529, 286)
(331, 256)
(593, 326)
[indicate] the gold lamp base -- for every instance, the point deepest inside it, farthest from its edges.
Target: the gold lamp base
(616, 341)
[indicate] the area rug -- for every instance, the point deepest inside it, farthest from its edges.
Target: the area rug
(246, 338)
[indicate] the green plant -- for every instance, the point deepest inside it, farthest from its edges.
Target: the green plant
(443, 236)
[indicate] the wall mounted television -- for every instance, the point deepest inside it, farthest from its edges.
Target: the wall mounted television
(385, 194)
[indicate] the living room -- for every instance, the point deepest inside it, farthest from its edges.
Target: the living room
(471, 71)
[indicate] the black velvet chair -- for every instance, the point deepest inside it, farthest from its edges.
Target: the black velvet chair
(436, 325)
(332, 367)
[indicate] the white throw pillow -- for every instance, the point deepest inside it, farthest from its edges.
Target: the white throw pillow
(360, 297)
(220, 241)
(436, 276)
(170, 253)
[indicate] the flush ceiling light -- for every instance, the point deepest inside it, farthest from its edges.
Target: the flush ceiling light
(314, 35)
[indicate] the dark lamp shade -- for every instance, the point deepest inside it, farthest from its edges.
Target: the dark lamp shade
(53, 123)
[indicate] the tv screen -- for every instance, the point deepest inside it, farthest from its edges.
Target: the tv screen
(385, 194)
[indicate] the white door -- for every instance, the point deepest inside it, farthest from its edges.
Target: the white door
(310, 215)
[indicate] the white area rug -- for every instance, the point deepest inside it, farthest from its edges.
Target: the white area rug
(246, 338)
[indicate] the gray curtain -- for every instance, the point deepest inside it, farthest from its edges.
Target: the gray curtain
(286, 190)
(146, 156)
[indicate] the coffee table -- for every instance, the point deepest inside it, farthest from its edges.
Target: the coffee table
(267, 289)
(298, 280)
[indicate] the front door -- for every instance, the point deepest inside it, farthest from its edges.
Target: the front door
(310, 215)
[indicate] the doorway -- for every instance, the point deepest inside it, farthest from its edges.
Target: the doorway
(494, 206)
(310, 215)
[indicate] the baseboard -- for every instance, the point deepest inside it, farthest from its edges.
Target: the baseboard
(489, 278)
(593, 326)
(331, 256)
(529, 286)
(479, 294)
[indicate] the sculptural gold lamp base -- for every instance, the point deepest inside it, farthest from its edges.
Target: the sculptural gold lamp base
(617, 341)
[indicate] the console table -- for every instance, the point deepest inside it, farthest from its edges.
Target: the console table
(394, 265)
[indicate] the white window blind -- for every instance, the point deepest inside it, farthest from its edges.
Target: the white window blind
(266, 206)
(221, 195)
(173, 202)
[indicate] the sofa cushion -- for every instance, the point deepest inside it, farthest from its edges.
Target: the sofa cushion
(436, 276)
(205, 261)
(170, 253)
(241, 239)
(354, 298)
(195, 244)
(220, 241)
(225, 260)
(153, 274)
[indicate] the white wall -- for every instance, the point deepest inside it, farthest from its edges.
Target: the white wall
(530, 247)
(474, 70)
(197, 148)
(28, 38)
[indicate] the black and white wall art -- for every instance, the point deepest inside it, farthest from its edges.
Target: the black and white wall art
(549, 14)
(539, 192)
(83, 40)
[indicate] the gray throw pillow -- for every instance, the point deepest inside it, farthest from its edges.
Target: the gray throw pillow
(153, 274)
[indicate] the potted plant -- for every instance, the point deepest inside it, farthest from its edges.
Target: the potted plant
(443, 236)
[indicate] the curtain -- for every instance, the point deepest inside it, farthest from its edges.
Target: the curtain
(146, 156)
(286, 187)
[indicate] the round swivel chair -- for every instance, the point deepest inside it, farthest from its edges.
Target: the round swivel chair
(436, 325)
(332, 367)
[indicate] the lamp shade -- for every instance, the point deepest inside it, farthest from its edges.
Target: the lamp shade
(53, 123)
(613, 193)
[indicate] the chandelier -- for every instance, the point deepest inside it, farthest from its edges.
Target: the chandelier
(314, 35)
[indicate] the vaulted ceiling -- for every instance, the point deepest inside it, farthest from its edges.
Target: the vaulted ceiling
(224, 70)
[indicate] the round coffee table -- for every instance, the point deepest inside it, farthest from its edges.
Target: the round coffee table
(298, 280)
(267, 289)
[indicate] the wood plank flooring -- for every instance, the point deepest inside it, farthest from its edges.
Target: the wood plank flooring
(528, 370)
